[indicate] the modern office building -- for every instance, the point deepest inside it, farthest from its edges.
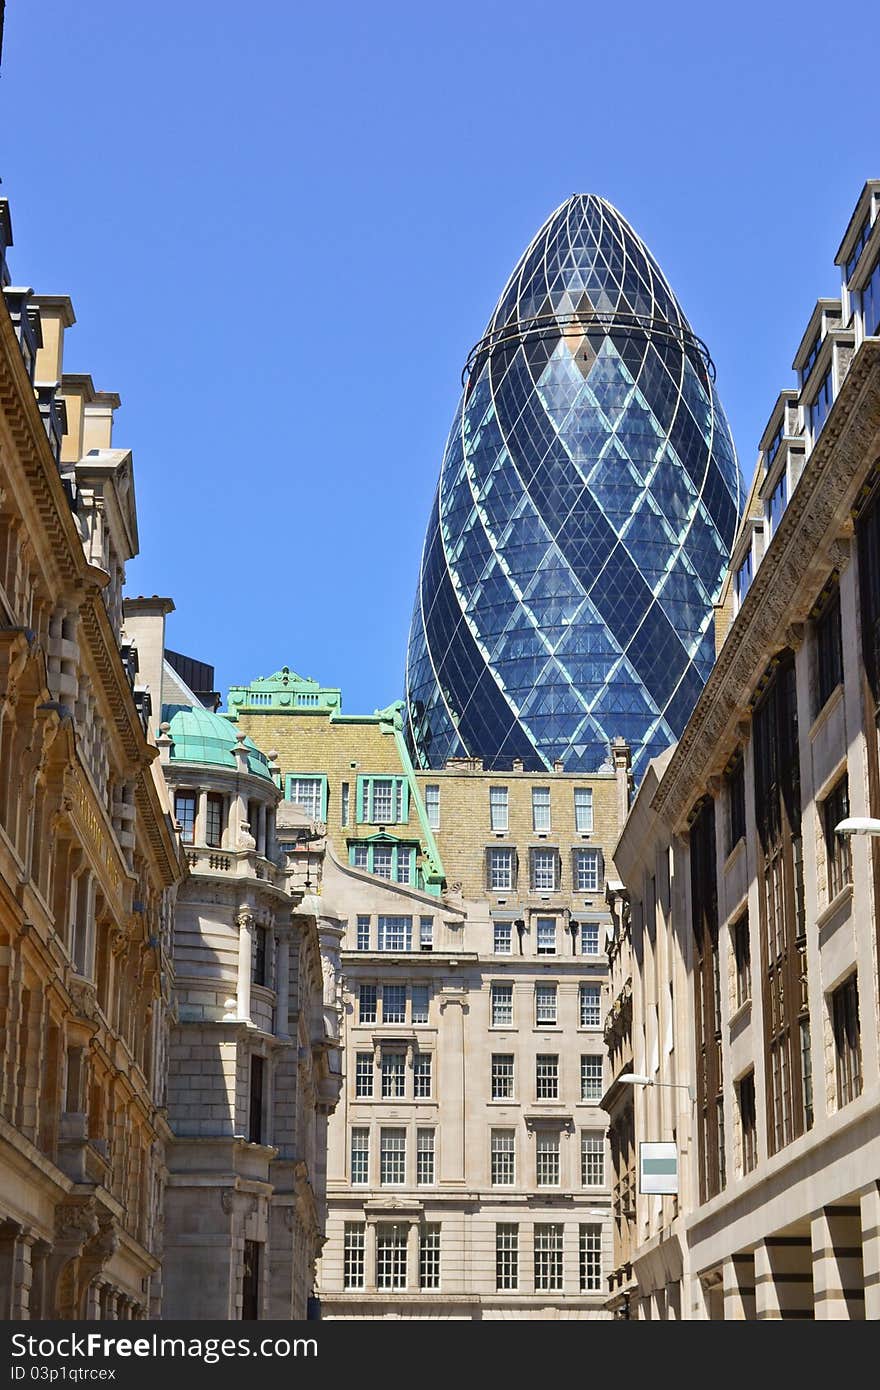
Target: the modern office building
(467, 1158)
(588, 497)
(751, 928)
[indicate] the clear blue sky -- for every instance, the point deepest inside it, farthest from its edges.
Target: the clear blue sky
(283, 226)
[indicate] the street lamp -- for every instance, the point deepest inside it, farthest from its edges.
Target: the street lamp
(632, 1078)
(858, 825)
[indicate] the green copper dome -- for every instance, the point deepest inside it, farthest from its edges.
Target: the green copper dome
(202, 737)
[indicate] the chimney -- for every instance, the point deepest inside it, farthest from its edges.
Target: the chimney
(56, 314)
(621, 757)
(144, 622)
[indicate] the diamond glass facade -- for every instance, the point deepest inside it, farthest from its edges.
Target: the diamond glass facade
(588, 498)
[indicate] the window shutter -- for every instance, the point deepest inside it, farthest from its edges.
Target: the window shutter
(404, 801)
(361, 791)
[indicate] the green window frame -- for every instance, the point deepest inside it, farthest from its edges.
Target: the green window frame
(376, 794)
(374, 856)
(319, 777)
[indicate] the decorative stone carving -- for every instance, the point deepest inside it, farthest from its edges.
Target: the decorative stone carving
(83, 997)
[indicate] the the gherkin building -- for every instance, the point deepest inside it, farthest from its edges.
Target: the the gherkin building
(587, 502)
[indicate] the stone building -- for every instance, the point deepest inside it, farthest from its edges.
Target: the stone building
(88, 856)
(467, 1157)
(753, 893)
(254, 1063)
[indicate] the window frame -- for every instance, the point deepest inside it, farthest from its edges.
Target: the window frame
(365, 803)
(315, 777)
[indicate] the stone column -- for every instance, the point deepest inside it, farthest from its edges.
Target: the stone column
(200, 830)
(412, 1256)
(453, 1007)
(838, 1281)
(784, 1278)
(245, 920)
(739, 1288)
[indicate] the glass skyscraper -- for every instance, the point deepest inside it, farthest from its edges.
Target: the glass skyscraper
(587, 502)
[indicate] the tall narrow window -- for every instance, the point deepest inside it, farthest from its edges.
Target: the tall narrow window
(363, 1075)
(592, 1160)
(547, 1076)
(546, 936)
(838, 862)
(392, 1157)
(500, 865)
(420, 1002)
(503, 1157)
(360, 1157)
(545, 1006)
(429, 1257)
(589, 938)
(498, 809)
(590, 1006)
(828, 647)
(501, 997)
(748, 1120)
(742, 955)
(394, 1003)
(545, 870)
(502, 938)
(214, 820)
(260, 962)
(548, 1258)
(547, 1156)
(587, 870)
(345, 804)
(506, 1256)
(250, 1281)
(583, 809)
(393, 1075)
(502, 1076)
(363, 933)
(354, 1252)
(425, 1157)
(391, 1255)
(590, 1258)
(735, 784)
(591, 1076)
(366, 1004)
(255, 1126)
(185, 815)
(426, 933)
(432, 806)
(707, 1016)
(422, 1075)
(847, 1040)
(540, 808)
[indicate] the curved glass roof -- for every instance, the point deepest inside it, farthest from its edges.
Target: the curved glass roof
(588, 497)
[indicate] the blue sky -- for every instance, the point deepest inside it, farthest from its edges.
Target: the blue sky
(283, 226)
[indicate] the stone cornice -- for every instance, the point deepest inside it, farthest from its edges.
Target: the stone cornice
(784, 585)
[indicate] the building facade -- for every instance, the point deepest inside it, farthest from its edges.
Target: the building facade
(89, 861)
(754, 917)
(467, 1171)
(588, 497)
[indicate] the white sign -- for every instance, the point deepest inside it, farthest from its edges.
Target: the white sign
(658, 1168)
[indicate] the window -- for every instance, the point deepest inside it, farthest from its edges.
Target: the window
(395, 933)
(707, 995)
(255, 1131)
(586, 870)
(545, 1005)
(546, 936)
(591, 1258)
(426, 933)
(360, 1157)
(589, 938)
(847, 1040)
(592, 1160)
(429, 1257)
(363, 933)
(250, 1281)
(388, 859)
(420, 1003)
(425, 1157)
(777, 504)
(742, 955)
(748, 1122)
(829, 649)
(548, 1258)
(422, 1075)
(735, 781)
(821, 404)
(354, 1252)
(345, 798)
(309, 792)
(382, 800)
(214, 820)
(393, 1075)
(583, 809)
(591, 1077)
(503, 1158)
(261, 957)
(547, 1158)
(363, 1075)
(503, 938)
(502, 1076)
(835, 808)
(547, 1076)
(500, 870)
(498, 812)
(540, 808)
(392, 1157)
(743, 578)
(860, 244)
(391, 1255)
(871, 302)
(366, 1004)
(185, 815)
(590, 1008)
(506, 1256)
(810, 361)
(432, 806)
(545, 870)
(394, 1003)
(502, 1005)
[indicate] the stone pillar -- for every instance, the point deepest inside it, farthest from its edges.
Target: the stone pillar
(838, 1278)
(282, 986)
(784, 1278)
(200, 830)
(261, 830)
(93, 1301)
(870, 1233)
(245, 920)
(739, 1288)
(412, 1256)
(453, 1007)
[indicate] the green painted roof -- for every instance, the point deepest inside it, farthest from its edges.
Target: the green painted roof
(202, 737)
(283, 691)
